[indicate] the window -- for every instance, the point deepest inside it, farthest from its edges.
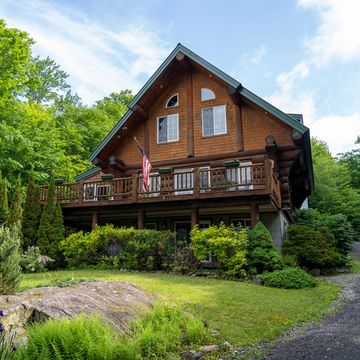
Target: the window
(207, 94)
(173, 101)
(184, 181)
(168, 128)
(154, 185)
(205, 176)
(214, 121)
(240, 176)
(97, 192)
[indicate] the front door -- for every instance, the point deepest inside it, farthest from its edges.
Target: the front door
(182, 229)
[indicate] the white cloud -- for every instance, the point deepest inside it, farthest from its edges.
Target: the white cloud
(336, 38)
(258, 55)
(98, 60)
(337, 35)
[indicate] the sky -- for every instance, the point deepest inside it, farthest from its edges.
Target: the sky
(303, 56)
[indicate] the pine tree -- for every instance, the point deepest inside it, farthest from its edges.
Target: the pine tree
(4, 207)
(51, 228)
(31, 214)
(10, 269)
(15, 214)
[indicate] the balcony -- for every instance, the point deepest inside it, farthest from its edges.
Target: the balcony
(180, 185)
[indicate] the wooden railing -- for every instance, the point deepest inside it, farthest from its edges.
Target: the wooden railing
(180, 184)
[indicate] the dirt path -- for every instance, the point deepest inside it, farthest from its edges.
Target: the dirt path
(335, 338)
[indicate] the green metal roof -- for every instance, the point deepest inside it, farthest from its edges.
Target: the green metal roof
(87, 174)
(289, 120)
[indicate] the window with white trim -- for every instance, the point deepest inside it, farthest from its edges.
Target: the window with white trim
(214, 120)
(207, 94)
(167, 128)
(173, 101)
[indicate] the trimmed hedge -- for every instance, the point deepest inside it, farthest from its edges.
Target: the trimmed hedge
(126, 248)
(289, 278)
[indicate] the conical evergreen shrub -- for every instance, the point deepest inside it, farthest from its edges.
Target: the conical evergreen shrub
(31, 214)
(4, 206)
(262, 255)
(15, 214)
(10, 269)
(51, 228)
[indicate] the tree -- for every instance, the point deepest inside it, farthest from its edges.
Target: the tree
(4, 206)
(15, 58)
(31, 214)
(51, 229)
(15, 214)
(10, 269)
(352, 160)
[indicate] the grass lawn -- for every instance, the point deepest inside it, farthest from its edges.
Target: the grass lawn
(244, 314)
(355, 265)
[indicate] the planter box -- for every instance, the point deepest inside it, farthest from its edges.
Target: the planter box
(164, 170)
(107, 177)
(58, 181)
(231, 163)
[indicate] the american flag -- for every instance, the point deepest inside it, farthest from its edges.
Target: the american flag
(146, 167)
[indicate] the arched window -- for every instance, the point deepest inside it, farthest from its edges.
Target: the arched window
(173, 101)
(207, 94)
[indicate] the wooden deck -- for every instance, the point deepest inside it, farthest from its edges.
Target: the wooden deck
(190, 184)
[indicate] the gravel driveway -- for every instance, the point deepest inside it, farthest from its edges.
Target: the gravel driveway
(335, 338)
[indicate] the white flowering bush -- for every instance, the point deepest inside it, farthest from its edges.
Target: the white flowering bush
(33, 261)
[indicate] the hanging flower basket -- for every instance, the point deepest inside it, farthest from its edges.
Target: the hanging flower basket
(231, 163)
(58, 181)
(165, 170)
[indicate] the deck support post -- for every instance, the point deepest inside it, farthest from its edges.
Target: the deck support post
(254, 214)
(94, 220)
(194, 216)
(141, 219)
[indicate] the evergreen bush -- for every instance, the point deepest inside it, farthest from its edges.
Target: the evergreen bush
(289, 278)
(312, 248)
(51, 228)
(15, 213)
(225, 244)
(4, 205)
(262, 255)
(10, 269)
(31, 214)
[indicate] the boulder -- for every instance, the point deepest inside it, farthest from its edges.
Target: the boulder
(115, 302)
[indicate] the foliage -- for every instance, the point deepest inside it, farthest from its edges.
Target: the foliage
(33, 261)
(184, 259)
(312, 248)
(7, 341)
(338, 224)
(352, 160)
(15, 213)
(262, 255)
(78, 338)
(225, 243)
(4, 205)
(160, 334)
(51, 228)
(135, 249)
(31, 214)
(217, 301)
(289, 278)
(10, 269)
(333, 191)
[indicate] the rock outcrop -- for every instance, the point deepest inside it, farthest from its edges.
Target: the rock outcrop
(115, 302)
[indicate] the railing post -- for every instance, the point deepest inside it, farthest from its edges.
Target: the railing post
(80, 192)
(268, 170)
(134, 188)
(196, 182)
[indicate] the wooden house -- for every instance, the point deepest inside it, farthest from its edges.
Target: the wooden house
(218, 151)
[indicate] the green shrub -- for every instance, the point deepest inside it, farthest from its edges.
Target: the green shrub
(312, 248)
(135, 249)
(338, 224)
(289, 278)
(4, 204)
(33, 261)
(78, 338)
(262, 255)
(15, 213)
(161, 334)
(225, 244)
(10, 269)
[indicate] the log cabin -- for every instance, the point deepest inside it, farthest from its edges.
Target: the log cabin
(218, 153)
